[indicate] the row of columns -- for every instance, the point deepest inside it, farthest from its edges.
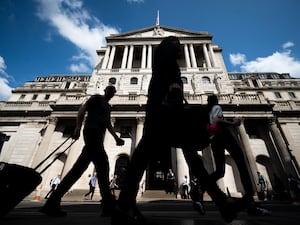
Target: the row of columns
(181, 166)
(146, 60)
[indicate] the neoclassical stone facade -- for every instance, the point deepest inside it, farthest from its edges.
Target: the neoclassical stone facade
(41, 114)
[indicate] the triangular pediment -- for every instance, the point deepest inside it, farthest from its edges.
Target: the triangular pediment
(159, 31)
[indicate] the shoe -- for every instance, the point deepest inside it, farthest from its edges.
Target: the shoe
(231, 207)
(130, 217)
(198, 206)
(258, 211)
(108, 206)
(52, 211)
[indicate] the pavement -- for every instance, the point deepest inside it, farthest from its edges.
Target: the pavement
(157, 212)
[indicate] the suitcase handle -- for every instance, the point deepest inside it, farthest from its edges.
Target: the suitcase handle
(59, 155)
(55, 150)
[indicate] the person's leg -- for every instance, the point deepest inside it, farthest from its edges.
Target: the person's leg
(50, 192)
(135, 171)
(92, 192)
(52, 205)
(238, 156)
(100, 160)
(126, 211)
(218, 150)
(227, 207)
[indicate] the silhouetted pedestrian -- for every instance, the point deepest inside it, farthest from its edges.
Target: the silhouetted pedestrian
(96, 123)
(165, 80)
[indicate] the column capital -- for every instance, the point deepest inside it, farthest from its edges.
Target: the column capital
(112, 120)
(140, 119)
(53, 120)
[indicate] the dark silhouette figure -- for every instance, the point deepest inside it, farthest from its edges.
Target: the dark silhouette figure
(113, 184)
(166, 80)
(92, 186)
(196, 194)
(221, 139)
(96, 123)
(170, 183)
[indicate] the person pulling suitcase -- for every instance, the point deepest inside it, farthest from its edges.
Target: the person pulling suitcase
(98, 120)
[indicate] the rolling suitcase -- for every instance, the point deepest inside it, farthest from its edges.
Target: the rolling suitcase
(17, 182)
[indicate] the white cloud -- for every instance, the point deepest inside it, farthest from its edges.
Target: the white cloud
(237, 59)
(288, 45)
(79, 68)
(74, 23)
(5, 89)
(280, 62)
(2, 66)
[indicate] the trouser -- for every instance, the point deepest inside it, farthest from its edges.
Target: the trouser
(93, 151)
(91, 191)
(225, 140)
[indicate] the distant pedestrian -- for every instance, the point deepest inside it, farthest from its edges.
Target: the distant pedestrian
(113, 184)
(196, 194)
(185, 187)
(262, 187)
(54, 182)
(92, 186)
(170, 182)
(294, 186)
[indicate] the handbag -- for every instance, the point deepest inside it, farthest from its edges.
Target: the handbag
(185, 124)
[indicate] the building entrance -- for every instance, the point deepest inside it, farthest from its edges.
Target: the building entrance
(158, 169)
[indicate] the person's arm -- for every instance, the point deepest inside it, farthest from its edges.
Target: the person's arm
(219, 119)
(222, 121)
(79, 120)
(111, 130)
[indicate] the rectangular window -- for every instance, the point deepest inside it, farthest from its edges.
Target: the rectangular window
(292, 94)
(22, 97)
(277, 94)
(34, 97)
(47, 96)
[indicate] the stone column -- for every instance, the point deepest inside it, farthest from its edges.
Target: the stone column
(144, 57)
(45, 143)
(213, 59)
(206, 56)
(193, 57)
(106, 56)
(149, 57)
(187, 56)
(130, 57)
(111, 57)
(282, 148)
(109, 143)
(182, 167)
(139, 129)
(124, 59)
(248, 153)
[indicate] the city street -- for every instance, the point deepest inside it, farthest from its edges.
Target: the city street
(164, 212)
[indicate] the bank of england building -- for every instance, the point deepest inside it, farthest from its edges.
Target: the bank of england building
(41, 114)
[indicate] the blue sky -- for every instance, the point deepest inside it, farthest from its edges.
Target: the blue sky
(42, 37)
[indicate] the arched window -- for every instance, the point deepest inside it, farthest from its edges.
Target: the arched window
(184, 80)
(133, 80)
(205, 80)
(112, 81)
